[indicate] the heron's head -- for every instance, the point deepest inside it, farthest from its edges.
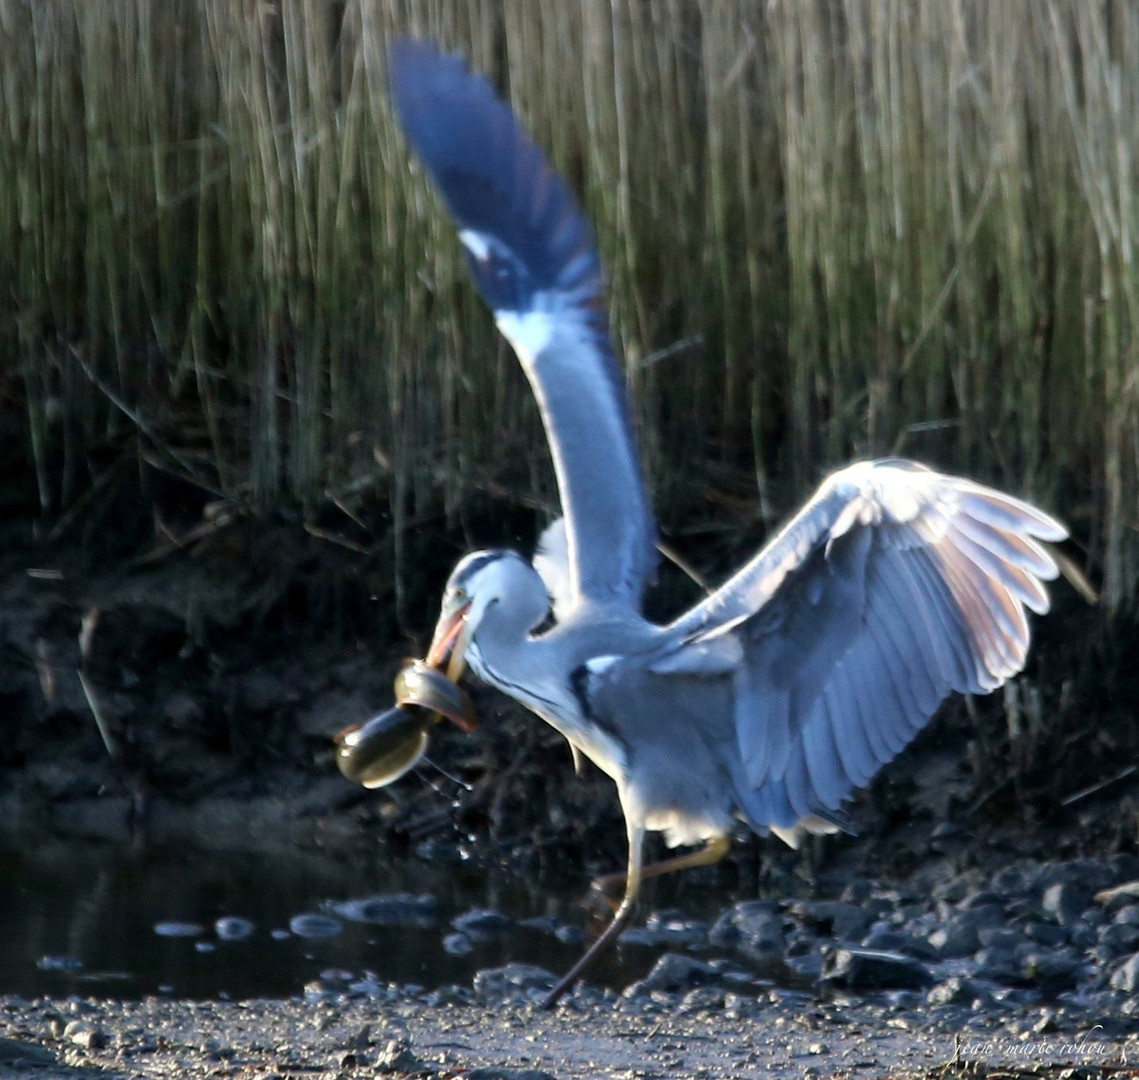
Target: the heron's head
(501, 584)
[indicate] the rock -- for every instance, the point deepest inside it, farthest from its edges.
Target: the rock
(177, 929)
(886, 938)
(1000, 937)
(1051, 969)
(59, 963)
(85, 1035)
(1047, 933)
(674, 972)
(871, 969)
(702, 999)
(858, 891)
(847, 922)
(672, 925)
(233, 928)
(1126, 976)
(958, 937)
(1126, 892)
(1127, 916)
(1118, 939)
(980, 916)
(956, 991)
(314, 925)
(998, 965)
(1083, 934)
(984, 898)
(397, 1057)
(545, 924)
(1066, 901)
(481, 922)
(448, 995)
(457, 945)
(512, 980)
(392, 909)
(753, 926)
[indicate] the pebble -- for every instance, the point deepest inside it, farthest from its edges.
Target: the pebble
(569, 935)
(673, 926)
(391, 909)
(177, 929)
(85, 1035)
(955, 991)
(512, 981)
(671, 973)
(869, 969)
(1051, 969)
(59, 963)
(481, 922)
(457, 945)
(397, 1057)
(958, 937)
(1126, 976)
(233, 928)
(314, 925)
(1065, 901)
(753, 926)
(998, 965)
(847, 922)
(1127, 916)
(1118, 939)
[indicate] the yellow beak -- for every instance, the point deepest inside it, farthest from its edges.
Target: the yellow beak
(452, 635)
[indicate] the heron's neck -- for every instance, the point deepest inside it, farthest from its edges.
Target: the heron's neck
(504, 654)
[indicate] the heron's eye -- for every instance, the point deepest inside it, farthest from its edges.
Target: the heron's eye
(460, 593)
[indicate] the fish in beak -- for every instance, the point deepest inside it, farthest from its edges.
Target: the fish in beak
(451, 638)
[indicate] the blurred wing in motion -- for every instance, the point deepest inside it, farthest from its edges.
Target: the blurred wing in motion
(533, 257)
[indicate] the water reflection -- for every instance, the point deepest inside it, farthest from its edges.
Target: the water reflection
(65, 903)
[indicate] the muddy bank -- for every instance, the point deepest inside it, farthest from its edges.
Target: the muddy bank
(664, 1036)
(182, 684)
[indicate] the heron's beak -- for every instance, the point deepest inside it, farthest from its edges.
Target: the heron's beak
(452, 635)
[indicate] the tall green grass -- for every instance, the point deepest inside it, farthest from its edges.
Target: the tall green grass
(863, 227)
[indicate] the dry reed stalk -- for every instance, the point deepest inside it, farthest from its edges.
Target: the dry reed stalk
(892, 225)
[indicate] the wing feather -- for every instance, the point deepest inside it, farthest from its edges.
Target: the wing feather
(848, 728)
(534, 259)
(893, 587)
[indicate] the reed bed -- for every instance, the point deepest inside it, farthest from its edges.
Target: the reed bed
(832, 229)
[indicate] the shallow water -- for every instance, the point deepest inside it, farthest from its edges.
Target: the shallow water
(94, 907)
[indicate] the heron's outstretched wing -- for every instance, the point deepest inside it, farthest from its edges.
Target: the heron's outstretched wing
(533, 256)
(891, 588)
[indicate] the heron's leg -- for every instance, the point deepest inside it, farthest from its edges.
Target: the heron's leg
(632, 886)
(713, 851)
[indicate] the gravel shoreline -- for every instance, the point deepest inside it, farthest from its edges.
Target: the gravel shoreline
(1028, 970)
(590, 1036)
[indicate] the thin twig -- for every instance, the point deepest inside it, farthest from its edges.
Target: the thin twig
(1091, 789)
(97, 712)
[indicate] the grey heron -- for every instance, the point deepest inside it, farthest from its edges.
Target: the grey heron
(790, 686)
